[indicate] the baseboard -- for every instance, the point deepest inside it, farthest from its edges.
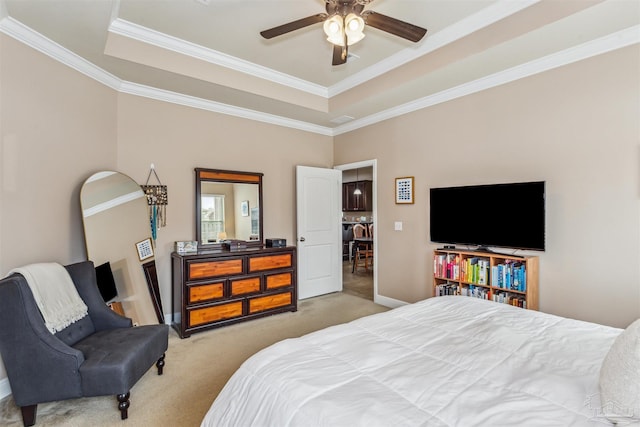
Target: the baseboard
(388, 302)
(5, 388)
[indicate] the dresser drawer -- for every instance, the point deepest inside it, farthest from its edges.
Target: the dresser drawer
(270, 262)
(274, 281)
(204, 269)
(218, 288)
(245, 286)
(270, 301)
(201, 316)
(205, 292)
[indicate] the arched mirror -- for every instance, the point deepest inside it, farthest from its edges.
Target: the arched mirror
(228, 207)
(117, 236)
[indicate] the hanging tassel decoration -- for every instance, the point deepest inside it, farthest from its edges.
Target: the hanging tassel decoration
(154, 222)
(157, 200)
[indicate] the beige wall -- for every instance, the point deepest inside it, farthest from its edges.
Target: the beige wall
(577, 128)
(178, 139)
(59, 127)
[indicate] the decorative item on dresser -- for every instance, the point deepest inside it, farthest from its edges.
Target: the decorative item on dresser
(214, 288)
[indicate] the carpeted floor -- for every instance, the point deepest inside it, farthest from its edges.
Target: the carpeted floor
(196, 369)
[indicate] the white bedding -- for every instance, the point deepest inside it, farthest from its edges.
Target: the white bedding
(446, 361)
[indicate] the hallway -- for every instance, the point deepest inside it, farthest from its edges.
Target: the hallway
(359, 284)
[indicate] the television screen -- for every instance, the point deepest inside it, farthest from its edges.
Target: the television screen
(106, 283)
(504, 215)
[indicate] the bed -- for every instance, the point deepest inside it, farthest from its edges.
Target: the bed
(446, 361)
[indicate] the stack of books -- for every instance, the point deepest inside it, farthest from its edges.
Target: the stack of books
(475, 270)
(510, 275)
(446, 266)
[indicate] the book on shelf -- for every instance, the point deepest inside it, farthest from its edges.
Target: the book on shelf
(475, 270)
(506, 298)
(446, 266)
(510, 275)
(447, 289)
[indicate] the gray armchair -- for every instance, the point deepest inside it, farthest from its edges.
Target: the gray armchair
(100, 354)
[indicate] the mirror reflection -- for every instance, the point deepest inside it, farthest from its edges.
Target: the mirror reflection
(228, 207)
(115, 218)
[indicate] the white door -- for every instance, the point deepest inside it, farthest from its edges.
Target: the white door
(319, 216)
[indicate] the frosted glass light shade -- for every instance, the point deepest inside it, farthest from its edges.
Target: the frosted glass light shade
(338, 28)
(334, 29)
(354, 26)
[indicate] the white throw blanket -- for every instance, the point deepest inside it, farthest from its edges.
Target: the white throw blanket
(55, 294)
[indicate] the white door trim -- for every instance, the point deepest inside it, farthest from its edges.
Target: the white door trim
(374, 165)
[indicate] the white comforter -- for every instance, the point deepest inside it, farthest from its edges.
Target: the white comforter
(446, 361)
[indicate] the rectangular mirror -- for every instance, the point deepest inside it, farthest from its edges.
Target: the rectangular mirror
(228, 207)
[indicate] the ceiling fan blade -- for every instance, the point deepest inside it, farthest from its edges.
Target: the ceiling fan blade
(292, 26)
(339, 55)
(394, 26)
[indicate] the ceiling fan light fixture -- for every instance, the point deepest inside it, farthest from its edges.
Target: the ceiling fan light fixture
(354, 23)
(334, 29)
(354, 27)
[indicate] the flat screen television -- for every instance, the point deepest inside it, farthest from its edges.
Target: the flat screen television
(106, 282)
(508, 215)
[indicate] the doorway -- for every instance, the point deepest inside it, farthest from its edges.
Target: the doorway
(360, 281)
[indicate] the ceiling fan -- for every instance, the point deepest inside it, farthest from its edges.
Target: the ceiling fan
(344, 22)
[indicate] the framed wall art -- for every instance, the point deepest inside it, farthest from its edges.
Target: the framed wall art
(244, 208)
(145, 249)
(404, 190)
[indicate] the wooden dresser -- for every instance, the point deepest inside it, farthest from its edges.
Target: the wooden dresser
(217, 287)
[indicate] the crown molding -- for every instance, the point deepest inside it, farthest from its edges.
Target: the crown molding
(217, 107)
(29, 37)
(37, 41)
(146, 35)
(611, 42)
(452, 33)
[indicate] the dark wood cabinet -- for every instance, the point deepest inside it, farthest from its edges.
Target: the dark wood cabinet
(216, 288)
(355, 203)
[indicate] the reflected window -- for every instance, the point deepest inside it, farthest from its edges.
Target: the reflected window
(255, 223)
(212, 218)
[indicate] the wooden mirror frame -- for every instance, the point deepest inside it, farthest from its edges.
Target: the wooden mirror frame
(233, 177)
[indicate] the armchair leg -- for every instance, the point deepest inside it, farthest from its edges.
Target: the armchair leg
(28, 415)
(160, 363)
(123, 405)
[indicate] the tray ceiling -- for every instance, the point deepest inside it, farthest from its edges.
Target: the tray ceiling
(209, 54)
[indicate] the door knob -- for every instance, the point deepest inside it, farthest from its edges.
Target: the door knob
(302, 239)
